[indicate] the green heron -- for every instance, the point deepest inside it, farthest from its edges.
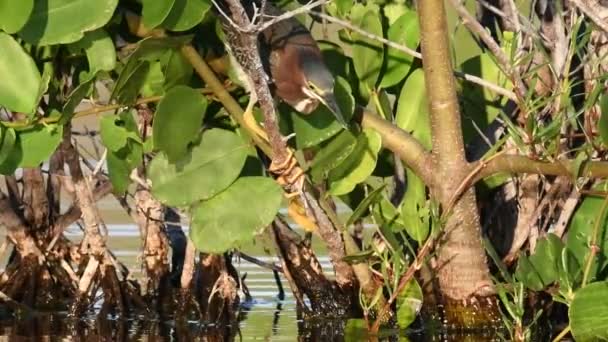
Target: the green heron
(294, 62)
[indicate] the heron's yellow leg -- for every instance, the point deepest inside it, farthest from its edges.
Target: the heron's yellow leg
(250, 119)
(297, 212)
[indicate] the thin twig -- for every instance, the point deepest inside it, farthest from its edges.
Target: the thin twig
(591, 13)
(474, 26)
(470, 78)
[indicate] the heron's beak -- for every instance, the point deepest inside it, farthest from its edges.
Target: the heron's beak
(329, 100)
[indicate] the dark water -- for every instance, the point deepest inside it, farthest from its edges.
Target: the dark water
(264, 318)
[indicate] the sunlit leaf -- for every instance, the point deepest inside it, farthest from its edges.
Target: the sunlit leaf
(371, 199)
(134, 74)
(185, 14)
(412, 111)
(480, 106)
(404, 31)
(65, 21)
(581, 228)
(38, 143)
(14, 14)
(332, 155)
(588, 313)
(414, 211)
(207, 169)
(409, 302)
(74, 99)
(368, 53)
(154, 12)
(232, 218)
(20, 77)
(121, 163)
(100, 51)
(358, 165)
(178, 120)
(154, 83)
(115, 130)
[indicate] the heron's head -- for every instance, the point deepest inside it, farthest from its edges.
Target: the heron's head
(319, 86)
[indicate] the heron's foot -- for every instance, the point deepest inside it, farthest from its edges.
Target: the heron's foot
(297, 212)
(250, 119)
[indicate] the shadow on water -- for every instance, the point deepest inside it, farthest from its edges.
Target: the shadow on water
(58, 327)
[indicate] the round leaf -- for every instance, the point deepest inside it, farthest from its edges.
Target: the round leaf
(100, 51)
(588, 313)
(14, 14)
(39, 143)
(208, 168)
(358, 165)
(177, 120)
(368, 53)
(235, 215)
(155, 11)
(66, 21)
(185, 14)
(412, 111)
(20, 77)
(404, 31)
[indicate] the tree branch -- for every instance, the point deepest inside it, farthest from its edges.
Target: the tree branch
(411, 152)
(516, 164)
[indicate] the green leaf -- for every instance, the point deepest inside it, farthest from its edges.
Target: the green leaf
(409, 302)
(412, 110)
(20, 77)
(177, 69)
(38, 143)
(134, 74)
(153, 85)
(603, 123)
(355, 330)
(588, 313)
(154, 12)
(368, 53)
(413, 209)
(14, 14)
(404, 31)
(480, 105)
(546, 258)
(209, 167)
(65, 21)
(130, 82)
(232, 218)
(74, 99)
(528, 274)
(99, 49)
(358, 165)
(581, 228)
(185, 14)
(121, 163)
(371, 199)
(117, 129)
(11, 163)
(332, 155)
(177, 121)
(320, 125)
(9, 138)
